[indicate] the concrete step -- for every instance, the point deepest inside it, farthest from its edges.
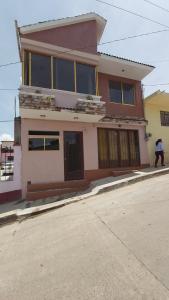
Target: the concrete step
(120, 173)
(57, 185)
(35, 195)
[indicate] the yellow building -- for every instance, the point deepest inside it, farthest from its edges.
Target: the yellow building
(157, 115)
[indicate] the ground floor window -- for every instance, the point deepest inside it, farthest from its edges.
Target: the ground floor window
(43, 144)
(43, 140)
(118, 148)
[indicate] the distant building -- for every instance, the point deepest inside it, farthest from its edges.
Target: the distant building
(6, 151)
(157, 115)
(10, 171)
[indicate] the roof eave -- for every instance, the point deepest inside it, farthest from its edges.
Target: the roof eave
(101, 23)
(125, 68)
(126, 61)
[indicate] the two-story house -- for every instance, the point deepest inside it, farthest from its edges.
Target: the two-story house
(81, 110)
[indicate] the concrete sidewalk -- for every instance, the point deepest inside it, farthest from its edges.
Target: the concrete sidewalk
(17, 211)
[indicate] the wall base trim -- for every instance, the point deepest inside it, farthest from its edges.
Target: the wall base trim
(10, 196)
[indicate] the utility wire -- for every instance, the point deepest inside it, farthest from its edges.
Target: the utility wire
(134, 36)
(6, 121)
(103, 43)
(9, 89)
(133, 13)
(9, 64)
(156, 84)
(159, 61)
(156, 5)
(120, 8)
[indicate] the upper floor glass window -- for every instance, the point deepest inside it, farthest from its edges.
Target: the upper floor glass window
(40, 70)
(63, 71)
(50, 72)
(115, 91)
(26, 68)
(120, 92)
(85, 79)
(128, 93)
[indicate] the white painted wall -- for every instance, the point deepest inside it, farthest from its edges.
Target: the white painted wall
(15, 184)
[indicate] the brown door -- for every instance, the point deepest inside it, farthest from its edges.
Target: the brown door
(118, 148)
(134, 148)
(73, 155)
(124, 148)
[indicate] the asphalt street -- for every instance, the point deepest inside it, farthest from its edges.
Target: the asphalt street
(113, 246)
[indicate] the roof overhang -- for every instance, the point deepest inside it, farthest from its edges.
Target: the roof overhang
(49, 49)
(100, 21)
(159, 98)
(123, 68)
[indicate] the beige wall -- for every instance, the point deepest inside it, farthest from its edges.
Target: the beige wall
(48, 166)
(152, 114)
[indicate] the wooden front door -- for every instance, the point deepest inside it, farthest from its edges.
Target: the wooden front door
(73, 155)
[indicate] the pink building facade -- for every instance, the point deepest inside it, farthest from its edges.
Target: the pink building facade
(81, 111)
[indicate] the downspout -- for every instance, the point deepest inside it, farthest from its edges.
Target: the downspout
(142, 96)
(143, 101)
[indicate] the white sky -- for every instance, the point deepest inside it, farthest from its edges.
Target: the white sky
(153, 49)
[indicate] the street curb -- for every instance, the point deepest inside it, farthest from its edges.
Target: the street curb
(21, 215)
(8, 218)
(133, 180)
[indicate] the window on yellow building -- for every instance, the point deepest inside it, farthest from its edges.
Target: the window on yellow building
(164, 116)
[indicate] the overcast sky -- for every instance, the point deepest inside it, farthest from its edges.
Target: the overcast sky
(153, 49)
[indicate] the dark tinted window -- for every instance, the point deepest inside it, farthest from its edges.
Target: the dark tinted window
(63, 75)
(115, 91)
(41, 71)
(128, 93)
(36, 144)
(26, 68)
(85, 79)
(40, 132)
(51, 144)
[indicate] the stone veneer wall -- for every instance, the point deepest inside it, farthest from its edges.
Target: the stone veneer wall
(48, 102)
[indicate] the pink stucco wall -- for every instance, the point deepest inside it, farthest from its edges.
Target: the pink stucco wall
(82, 36)
(48, 166)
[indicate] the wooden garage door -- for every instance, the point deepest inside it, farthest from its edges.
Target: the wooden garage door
(118, 148)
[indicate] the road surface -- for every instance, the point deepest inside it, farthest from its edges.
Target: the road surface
(113, 246)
